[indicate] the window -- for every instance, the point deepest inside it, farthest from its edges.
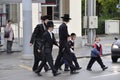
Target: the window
(57, 11)
(7, 11)
(52, 9)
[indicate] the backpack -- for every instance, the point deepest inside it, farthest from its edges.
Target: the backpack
(6, 34)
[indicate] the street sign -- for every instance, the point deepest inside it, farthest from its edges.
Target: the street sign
(93, 22)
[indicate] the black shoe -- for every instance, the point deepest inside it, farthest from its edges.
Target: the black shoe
(66, 70)
(74, 72)
(10, 52)
(34, 71)
(56, 74)
(78, 68)
(104, 68)
(89, 69)
(60, 68)
(47, 69)
(37, 73)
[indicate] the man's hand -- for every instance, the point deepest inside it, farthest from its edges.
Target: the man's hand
(31, 44)
(39, 50)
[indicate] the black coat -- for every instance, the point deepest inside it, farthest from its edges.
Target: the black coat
(36, 40)
(64, 50)
(71, 44)
(48, 41)
(37, 35)
(63, 32)
(47, 56)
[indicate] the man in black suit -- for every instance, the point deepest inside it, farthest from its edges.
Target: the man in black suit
(37, 39)
(48, 41)
(64, 51)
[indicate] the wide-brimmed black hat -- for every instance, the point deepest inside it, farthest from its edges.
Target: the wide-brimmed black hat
(44, 17)
(66, 16)
(50, 24)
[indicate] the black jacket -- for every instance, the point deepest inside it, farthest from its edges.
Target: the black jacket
(71, 44)
(37, 35)
(63, 32)
(48, 41)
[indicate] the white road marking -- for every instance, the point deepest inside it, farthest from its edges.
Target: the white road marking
(106, 75)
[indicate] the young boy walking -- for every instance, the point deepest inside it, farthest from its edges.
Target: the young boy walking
(96, 53)
(71, 40)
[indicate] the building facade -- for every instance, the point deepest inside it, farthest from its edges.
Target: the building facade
(54, 10)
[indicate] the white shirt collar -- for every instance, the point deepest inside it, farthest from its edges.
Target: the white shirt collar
(98, 44)
(50, 32)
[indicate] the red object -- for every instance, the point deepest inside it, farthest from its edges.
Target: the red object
(95, 46)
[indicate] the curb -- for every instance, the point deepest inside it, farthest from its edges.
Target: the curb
(12, 51)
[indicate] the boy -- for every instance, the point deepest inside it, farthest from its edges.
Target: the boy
(96, 52)
(71, 40)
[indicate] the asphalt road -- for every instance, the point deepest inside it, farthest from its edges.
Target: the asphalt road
(12, 67)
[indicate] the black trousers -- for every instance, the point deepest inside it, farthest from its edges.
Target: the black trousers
(74, 60)
(47, 58)
(37, 58)
(93, 59)
(64, 53)
(9, 46)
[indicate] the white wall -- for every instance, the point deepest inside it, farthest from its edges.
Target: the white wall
(75, 14)
(75, 23)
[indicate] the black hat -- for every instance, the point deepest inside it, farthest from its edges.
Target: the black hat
(44, 17)
(66, 16)
(50, 24)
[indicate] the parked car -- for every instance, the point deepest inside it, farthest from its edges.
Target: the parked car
(115, 50)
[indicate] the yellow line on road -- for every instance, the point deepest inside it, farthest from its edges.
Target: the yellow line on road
(26, 67)
(108, 44)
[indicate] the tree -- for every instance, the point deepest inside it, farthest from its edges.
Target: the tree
(107, 8)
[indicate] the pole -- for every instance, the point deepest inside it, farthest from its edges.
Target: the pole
(27, 26)
(91, 12)
(61, 7)
(4, 41)
(18, 21)
(85, 15)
